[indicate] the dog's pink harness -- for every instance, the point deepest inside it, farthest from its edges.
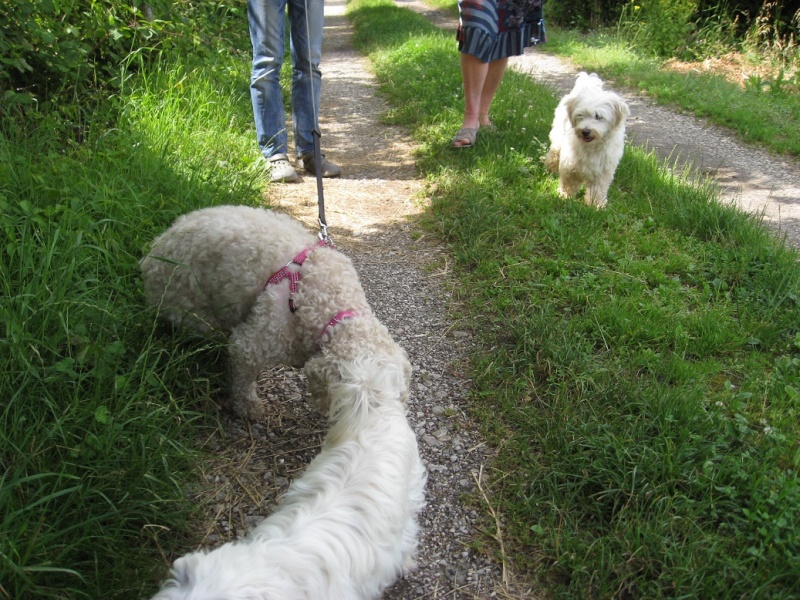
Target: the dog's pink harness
(337, 318)
(294, 276)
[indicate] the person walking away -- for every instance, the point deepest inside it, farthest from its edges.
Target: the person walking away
(267, 23)
(489, 31)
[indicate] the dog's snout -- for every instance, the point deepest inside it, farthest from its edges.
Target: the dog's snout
(586, 132)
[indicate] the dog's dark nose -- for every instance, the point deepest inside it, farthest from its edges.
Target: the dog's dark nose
(586, 132)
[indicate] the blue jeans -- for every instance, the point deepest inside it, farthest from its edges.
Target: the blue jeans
(266, 19)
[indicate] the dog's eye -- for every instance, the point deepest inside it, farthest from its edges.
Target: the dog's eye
(598, 116)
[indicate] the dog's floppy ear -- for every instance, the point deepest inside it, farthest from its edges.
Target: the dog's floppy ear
(570, 105)
(621, 111)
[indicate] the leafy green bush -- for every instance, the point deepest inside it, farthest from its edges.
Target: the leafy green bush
(659, 26)
(54, 50)
(774, 32)
(714, 35)
(578, 14)
(46, 46)
(726, 22)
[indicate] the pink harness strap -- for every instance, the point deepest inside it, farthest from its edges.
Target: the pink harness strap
(337, 318)
(294, 276)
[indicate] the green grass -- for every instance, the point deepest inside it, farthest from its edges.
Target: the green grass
(99, 404)
(638, 368)
(447, 5)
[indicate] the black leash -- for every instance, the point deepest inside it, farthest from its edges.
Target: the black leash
(323, 225)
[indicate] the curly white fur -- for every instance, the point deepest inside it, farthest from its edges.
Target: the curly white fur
(208, 271)
(587, 139)
(348, 527)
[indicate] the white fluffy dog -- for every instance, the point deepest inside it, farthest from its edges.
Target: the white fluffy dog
(587, 139)
(281, 295)
(348, 527)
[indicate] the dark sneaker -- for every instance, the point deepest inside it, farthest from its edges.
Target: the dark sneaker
(329, 169)
(281, 170)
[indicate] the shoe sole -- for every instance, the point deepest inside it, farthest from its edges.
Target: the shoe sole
(290, 179)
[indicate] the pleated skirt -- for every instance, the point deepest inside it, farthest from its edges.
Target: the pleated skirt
(485, 30)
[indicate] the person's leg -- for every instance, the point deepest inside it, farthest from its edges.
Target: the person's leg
(494, 75)
(266, 21)
(481, 81)
(473, 77)
(306, 20)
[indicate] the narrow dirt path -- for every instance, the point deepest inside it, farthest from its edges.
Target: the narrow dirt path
(370, 211)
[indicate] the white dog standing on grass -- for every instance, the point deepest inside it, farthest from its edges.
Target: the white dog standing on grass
(280, 294)
(348, 527)
(587, 139)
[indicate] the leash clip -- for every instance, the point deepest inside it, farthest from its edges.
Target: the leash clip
(323, 233)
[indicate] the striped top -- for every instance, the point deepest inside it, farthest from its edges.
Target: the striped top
(495, 29)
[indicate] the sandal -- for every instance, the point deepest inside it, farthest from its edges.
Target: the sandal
(489, 125)
(465, 134)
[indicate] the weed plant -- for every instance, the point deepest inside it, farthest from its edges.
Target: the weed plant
(638, 367)
(99, 403)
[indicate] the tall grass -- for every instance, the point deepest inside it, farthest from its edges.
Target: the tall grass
(98, 404)
(638, 370)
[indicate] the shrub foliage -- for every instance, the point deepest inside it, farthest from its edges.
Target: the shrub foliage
(52, 50)
(668, 24)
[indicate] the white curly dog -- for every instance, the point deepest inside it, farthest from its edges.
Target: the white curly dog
(587, 139)
(348, 527)
(280, 294)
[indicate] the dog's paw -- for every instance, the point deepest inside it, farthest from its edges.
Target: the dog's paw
(251, 409)
(596, 197)
(596, 201)
(565, 191)
(320, 401)
(551, 160)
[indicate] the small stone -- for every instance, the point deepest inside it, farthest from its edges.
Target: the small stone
(431, 441)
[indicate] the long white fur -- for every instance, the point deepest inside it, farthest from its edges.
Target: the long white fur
(207, 272)
(587, 139)
(348, 527)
